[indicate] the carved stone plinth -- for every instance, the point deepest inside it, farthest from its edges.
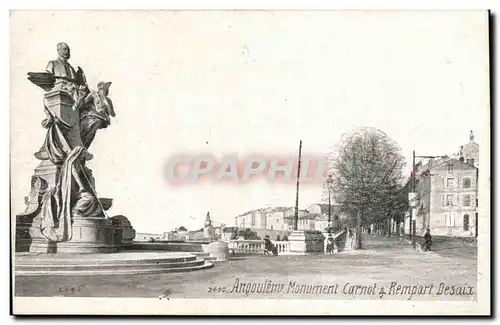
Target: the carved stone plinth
(303, 242)
(60, 104)
(297, 242)
(124, 232)
(90, 235)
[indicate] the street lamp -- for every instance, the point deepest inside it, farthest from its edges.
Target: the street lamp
(329, 182)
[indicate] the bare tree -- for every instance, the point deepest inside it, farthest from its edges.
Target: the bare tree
(367, 173)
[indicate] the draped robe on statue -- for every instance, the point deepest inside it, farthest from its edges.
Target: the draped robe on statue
(73, 195)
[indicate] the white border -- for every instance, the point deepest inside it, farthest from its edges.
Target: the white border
(211, 306)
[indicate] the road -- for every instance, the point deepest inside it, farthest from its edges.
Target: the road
(384, 263)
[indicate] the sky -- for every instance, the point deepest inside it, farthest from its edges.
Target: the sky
(235, 82)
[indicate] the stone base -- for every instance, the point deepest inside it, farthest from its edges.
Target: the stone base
(219, 250)
(90, 235)
(297, 241)
(132, 263)
(302, 243)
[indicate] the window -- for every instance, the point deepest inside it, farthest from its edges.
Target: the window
(449, 220)
(466, 200)
(449, 183)
(253, 220)
(466, 222)
(466, 182)
(470, 161)
(449, 199)
(450, 168)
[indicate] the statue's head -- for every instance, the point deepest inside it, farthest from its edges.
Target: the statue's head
(63, 51)
(104, 87)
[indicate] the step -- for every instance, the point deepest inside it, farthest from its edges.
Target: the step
(205, 265)
(159, 265)
(103, 258)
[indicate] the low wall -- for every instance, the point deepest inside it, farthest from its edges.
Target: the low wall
(166, 246)
(249, 247)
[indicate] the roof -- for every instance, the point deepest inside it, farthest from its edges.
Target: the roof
(325, 208)
(266, 210)
(444, 162)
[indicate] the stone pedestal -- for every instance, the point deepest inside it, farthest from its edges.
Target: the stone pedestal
(90, 235)
(304, 242)
(219, 250)
(297, 241)
(60, 104)
(124, 232)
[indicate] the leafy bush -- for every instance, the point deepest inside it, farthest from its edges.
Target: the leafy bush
(248, 234)
(313, 232)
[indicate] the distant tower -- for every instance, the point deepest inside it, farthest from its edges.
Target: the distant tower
(208, 230)
(208, 222)
(470, 151)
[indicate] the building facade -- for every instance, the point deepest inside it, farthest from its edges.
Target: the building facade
(314, 217)
(252, 219)
(448, 197)
(323, 213)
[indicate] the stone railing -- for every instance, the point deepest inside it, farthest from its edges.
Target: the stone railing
(256, 246)
(282, 246)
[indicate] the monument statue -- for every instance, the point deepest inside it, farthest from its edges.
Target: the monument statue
(96, 109)
(68, 197)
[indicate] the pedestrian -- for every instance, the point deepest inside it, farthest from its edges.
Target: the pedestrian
(427, 240)
(269, 247)
(329, 244)
(351, 238)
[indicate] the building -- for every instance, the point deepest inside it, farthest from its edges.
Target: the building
(142, 236)
(255, 219)
(281, 219)
(323, 213)
(277, 218)
(447, 188)
(448, 193)
(227, 233)
(470, 152)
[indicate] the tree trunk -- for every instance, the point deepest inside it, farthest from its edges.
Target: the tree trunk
(358, 231)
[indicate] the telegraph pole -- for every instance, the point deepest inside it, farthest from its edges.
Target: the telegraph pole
(329, 210)
(296, 217)
(412, 215)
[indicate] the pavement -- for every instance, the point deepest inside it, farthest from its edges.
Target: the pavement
(375, 272)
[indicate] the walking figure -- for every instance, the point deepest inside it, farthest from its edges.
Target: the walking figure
(330, 244)
(427, 240)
